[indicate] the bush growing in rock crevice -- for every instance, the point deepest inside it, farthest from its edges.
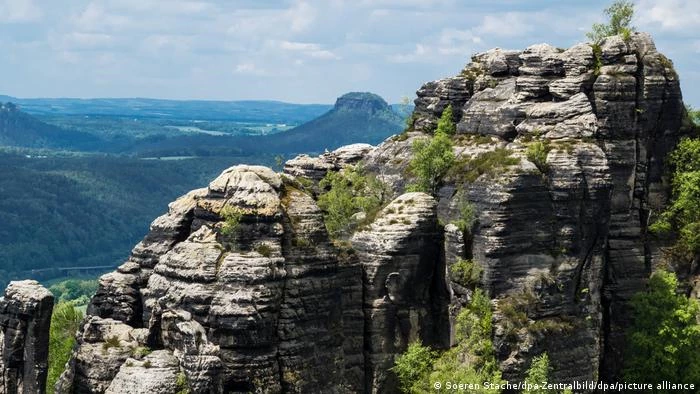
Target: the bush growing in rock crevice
(232, 220)
(537, 153)
(433, 157)
(472, 360)
(467, 215)
(466, 272)
(665, 334)
(348, 194)
(620, 15)
(65, 321)
(682, 216)
(467, 170)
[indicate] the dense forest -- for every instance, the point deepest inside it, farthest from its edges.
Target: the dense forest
(88, 210)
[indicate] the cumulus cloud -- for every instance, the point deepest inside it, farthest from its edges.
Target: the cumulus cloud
(16, 11)
(510, 24)
(308, 49)
(277, 49)
(669, 15)
(249, 69)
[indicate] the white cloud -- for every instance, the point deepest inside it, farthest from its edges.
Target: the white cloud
(309, 49)
(301, 16)
(77, 40)
(19, 11)
(419, 54)
(670, 15)
(509, 24)
(457, 42)
(96, 18)
(167, 42)
(249, 69)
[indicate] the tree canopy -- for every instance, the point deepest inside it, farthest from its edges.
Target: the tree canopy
(434, 157)
(665, 335)
(620, 15)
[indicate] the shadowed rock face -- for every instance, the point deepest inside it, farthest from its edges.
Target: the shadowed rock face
(239, 289)
(25, 317)
(403, 281)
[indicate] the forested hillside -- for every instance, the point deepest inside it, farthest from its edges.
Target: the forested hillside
(20, 129)
(87, 210)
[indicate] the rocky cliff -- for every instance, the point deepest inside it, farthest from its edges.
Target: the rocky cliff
(25, 316)
(238, 288)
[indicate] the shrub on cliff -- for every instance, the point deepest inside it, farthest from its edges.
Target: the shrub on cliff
(472, 360)
(537, 374)
(537, 153)
(446, 122)
(664, 338)
(347, 193)
(682, 216)
(620, 15)
(414, 365)
(433, 158)
(65, 321)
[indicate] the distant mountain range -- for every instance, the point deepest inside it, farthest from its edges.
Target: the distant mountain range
(20, 129)
(244, 111)
(355, 117)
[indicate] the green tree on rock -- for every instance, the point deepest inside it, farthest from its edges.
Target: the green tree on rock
(664, 338)
(472, 360)
(537, 374)
(433, 158)
(620, 15)
(446, 123)
(682, 216)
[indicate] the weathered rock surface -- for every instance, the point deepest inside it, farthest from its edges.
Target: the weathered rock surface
(315, 168)
(568, 246)
(238, 288)
(403, 281)
(25, 317)
(157, 372)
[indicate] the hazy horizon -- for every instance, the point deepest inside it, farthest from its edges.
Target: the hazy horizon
(303, 52)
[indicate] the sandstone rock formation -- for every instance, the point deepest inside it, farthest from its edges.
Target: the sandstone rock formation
(315, 168)
(238, 288)
(568, 245)
(25, 317)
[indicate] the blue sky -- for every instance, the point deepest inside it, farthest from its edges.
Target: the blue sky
(299, 51)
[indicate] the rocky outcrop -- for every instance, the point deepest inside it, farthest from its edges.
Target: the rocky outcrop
(361, 101)
(560, 156)
(156, 373)
(315, 168)
(25, 317)
(253, 307)
(566, 242)
(403, 284)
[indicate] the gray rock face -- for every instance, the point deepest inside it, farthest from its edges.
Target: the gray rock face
(255, 308)
(567, 247)
(434, 97)
(238, 288)
(25, 317)
(403, 280)
(315, 168)
(156, 373)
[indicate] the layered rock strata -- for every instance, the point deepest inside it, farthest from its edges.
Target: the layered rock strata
(25, 317)
(568, 245)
